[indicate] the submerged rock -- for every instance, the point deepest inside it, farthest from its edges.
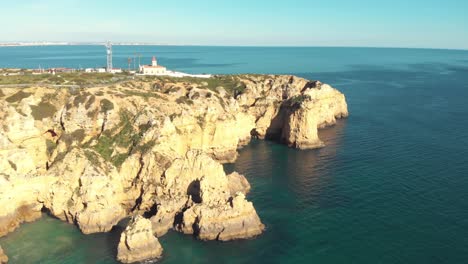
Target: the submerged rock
(137, 242)
(3, 257)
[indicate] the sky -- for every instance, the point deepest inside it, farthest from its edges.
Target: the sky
(362, 23)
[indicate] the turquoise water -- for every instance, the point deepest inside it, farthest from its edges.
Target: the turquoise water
(390, 187)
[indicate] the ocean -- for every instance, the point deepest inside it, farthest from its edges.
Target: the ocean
(391, 185)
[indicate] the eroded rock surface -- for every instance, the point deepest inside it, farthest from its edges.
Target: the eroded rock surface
(238, 183)
(88, 193)
(137, 242)
(3, 257)
(226, 220)
(153, 147)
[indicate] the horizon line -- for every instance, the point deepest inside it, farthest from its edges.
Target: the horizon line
(129, 43)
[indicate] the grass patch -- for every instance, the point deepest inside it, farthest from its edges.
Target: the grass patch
(296, 101)
(69, 138)
(230, 83)
(51, 145)
(105, 147)
(106, 105)
(90, 101)
(43, 110)
(80, 98)
(184, 100)
(17, 97)
(74, 78)
(144, 95)
(124, 136)
(93, 158)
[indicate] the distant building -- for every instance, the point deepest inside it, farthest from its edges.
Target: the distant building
(60, 70)
(115, 70)
(153, 69)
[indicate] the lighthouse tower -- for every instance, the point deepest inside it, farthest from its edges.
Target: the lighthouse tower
(153, 68)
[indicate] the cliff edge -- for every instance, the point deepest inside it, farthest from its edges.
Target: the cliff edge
(153, 146)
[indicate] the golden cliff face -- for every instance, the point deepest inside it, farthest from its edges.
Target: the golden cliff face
(155, 147)
(3, 257)
(138, 243)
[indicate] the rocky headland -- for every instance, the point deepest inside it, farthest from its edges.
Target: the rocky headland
(151, 147)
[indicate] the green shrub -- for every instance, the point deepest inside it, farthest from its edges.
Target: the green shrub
(18, 97)
(43, 110)
(106, 106)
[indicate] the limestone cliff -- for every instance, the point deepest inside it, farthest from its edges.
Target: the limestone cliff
(23, 160)
(89, 193)
(3, 257)
(153, 147)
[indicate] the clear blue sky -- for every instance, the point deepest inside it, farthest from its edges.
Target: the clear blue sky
(388, 23)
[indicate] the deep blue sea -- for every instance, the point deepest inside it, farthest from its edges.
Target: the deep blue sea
(391, 186)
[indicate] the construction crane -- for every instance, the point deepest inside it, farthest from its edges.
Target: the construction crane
(109, 56)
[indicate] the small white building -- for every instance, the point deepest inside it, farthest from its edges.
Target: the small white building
(116, 70)
(153, 69)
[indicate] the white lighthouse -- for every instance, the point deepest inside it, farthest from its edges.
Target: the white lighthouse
(153, 69)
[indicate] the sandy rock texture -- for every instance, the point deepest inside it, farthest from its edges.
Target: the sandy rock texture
(23, 159)
(152, 146)
(3, 257)
(137, 242)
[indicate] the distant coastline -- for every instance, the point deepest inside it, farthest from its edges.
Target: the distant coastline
(51, 43)
(62, 43)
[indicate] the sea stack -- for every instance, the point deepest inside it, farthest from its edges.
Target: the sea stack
(137, 242)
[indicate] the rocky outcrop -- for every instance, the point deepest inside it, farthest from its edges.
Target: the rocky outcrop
(238, 183)
(236, 218)
(3, 257)
(181, 186)
(22, 160)
(211, 211)
(137, 242)
(151, 147)
(89, 192)
(300, 126)
(292, 109)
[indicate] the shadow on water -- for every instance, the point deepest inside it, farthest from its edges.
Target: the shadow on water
(311, 172)
(113, 237)
(291, 180)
